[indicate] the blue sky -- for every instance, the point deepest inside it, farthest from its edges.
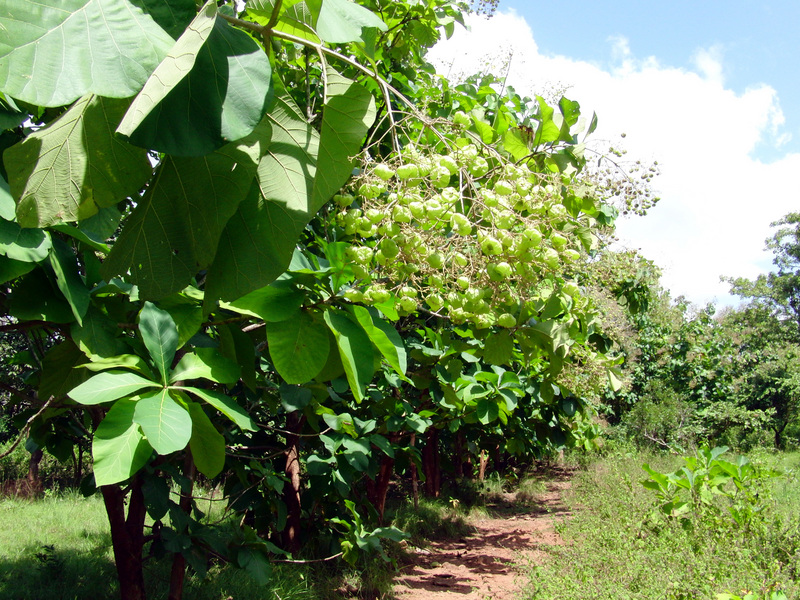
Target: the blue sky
(709, 89)
(758, 42)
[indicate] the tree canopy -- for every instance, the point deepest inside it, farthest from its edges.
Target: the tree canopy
(265, 243)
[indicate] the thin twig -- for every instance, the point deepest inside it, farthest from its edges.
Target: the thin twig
(309, 561)
(27, 427)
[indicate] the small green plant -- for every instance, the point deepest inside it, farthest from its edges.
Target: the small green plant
(357, 538)
(774, 595)
(693, 491)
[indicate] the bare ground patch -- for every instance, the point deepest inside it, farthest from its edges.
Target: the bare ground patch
(484, 563)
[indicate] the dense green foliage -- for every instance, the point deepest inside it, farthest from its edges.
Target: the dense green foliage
(628, 540)
(264, 245)
(191, 303)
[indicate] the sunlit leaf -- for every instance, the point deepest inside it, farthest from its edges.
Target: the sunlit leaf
(212, 88)
(52, 52)
(166, 424)
(75, 165)
(118, 447)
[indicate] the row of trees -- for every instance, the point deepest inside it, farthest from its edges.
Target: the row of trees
(694, 375)
(265, 247)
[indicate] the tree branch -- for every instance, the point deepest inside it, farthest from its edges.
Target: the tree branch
(27, 427)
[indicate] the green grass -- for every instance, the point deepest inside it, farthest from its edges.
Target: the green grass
(615, 548)
(59, 548)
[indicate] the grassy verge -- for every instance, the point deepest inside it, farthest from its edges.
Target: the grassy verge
(616, 547)
(59, 548)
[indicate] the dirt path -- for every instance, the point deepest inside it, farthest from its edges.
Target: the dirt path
(483, 565)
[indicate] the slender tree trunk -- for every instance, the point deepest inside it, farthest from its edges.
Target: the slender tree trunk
(779, 435)
(414, 475)
(483, 462)
(127, 536)
(377, 489)
(291, 491)
(458, 457)
(177, 575)
(34, 481)
(430, 463)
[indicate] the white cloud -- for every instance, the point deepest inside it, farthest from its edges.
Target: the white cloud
(709, 62)
(717, 199)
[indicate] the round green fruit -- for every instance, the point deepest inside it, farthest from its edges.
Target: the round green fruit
(435, 260)
(507, 320)
(343, 200)
(461, 118)
(478, 167)
(503, 188)
(557, 240)
(434, 302)
(389, 248)
(407, 304)
(491, 247)
(383, 171)
(407, 171)
(504, 269)
(354, 295)
(440, 177)
(449, 163)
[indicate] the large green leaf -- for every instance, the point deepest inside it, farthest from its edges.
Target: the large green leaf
(341, 21)
(385, 337)
(26, 245)
(98, 336)
(259, 239)
(227, 406)
(332, 21)
(36, 298)
(11, 269)
(206, 443)
(118, 446)
(206, 363)
(173, 232)
(278, 301)
(299, 347)
(52, 52)
(59, 374)
(498, 348)
(355, 350)
(74, 166)
(108, 386)
(160, 336)
(237, 346)
(172, 15)
(167, 424)
(346, 118)
(121, 361)
(68, 279)
(212, 88)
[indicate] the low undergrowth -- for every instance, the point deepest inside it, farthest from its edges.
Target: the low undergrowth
(696, 532)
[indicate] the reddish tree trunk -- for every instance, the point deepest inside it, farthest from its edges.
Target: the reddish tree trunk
(291, 491)
(458, 457)
(127, 536)
(35, 486)
(377, 489)
(483, 462)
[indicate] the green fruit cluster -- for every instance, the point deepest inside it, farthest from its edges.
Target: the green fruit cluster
(469, 233)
